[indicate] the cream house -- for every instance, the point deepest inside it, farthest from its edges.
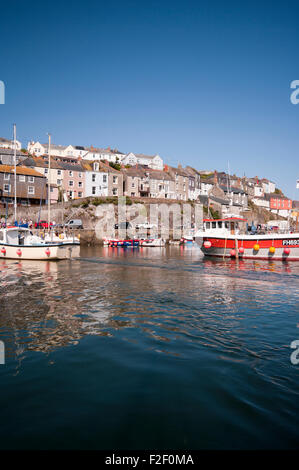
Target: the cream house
(9, 144)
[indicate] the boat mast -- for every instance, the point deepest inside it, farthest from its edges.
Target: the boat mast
(49, 182)
(15, 170)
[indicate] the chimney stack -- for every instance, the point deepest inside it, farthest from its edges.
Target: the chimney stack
(215, 177)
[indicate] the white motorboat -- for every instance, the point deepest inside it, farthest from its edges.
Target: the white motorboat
(61, 238)
(158, 242)
(20, 243)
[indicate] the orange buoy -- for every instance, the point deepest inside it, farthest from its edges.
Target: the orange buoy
(272, 249)
(256, 247)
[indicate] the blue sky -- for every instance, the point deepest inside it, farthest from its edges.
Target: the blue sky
(199, 82)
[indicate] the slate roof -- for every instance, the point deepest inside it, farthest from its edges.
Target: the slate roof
(21, 170)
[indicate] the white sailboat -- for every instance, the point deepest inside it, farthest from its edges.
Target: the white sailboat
(20, 243)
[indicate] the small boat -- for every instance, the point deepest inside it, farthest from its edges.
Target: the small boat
(158, 242)
(20, 243)
(225, 238)
(114, 242)
(188, 239)
(61, 238)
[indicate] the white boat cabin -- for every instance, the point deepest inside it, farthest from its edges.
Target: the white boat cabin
(18, 236)
(228, 226)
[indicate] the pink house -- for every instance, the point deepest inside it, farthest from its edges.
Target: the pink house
(72, 180)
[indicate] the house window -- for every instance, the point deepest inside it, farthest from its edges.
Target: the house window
(93, 190)
(114, 191)
(93, 178)
(104, 178)
(7, 176)
(51, 190)
(30, 179)
(7, 188)
(59, 182)
(80, 184)
(30, 189)
(71, 183)
(46, 171)
(79, 194)
(80, 175)
(58, 172)
(22, 178)
(114, 179)
(70, 173)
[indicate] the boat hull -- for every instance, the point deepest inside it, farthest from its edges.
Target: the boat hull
(283, 247)
(37, 252)
(152, 243)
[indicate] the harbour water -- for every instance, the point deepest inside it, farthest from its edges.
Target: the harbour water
(151, 348)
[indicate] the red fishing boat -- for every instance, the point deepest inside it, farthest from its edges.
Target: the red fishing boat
(228, 238)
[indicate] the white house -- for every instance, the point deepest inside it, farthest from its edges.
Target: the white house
(268, 186)
(261, 202)
(108, 154)
(9, 144)
(38, 149)
(96, 179)
(129, 159)
(258, 190)
(152, 161)
(206, 186)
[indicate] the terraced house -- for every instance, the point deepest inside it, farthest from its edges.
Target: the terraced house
(55, 177)
(141, 181)
(181, 179)
(96, 179)
(31, 185)
(132, 182)
(73, 180)
(162, 185)
(115, 180)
